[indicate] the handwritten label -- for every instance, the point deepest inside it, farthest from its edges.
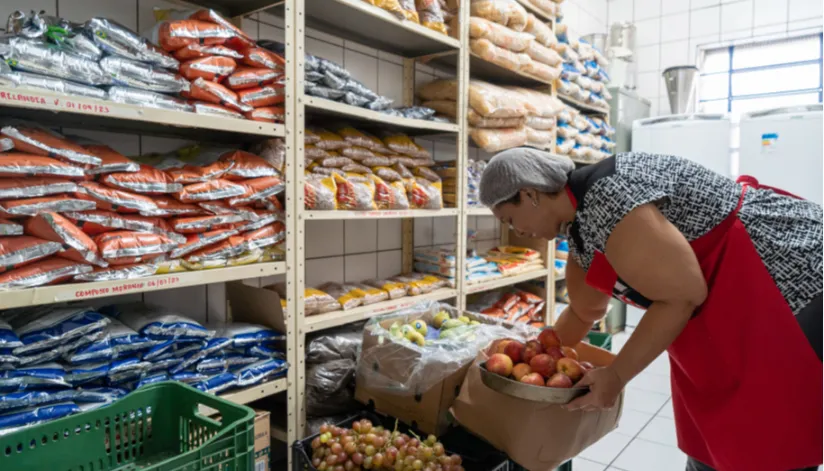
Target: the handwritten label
(127, 286)
(66, 104)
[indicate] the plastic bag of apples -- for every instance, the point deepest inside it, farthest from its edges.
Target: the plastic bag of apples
(537, 435)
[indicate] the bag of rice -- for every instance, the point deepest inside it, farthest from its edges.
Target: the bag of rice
(77, 246)
(158, 323)
(116, 200)
(43, 272)
(119, 247)
(146, 179)
(18, 251)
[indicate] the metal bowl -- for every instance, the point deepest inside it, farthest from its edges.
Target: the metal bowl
(529, 392)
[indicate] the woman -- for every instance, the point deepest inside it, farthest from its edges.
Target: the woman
(730, 275)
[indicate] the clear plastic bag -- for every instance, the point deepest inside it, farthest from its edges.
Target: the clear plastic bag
(409, 10)
(320, 192)
(403, 144)
(498, 55)
(541, 71)
(354, 192)
(541, 124)
(542, 32)
(477, 121)
(390, 195)
(496, 140)
(539, 52)
(424, 194)
(505, 12)
(538, 138)
(499, 35)
(431, 15)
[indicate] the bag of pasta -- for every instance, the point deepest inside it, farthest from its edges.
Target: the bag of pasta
(424, 194)
(409, 10)
(403, 144)
(539, 52)
(348, 297)
(541, 71)
(363, 139)
(320, 192)
(371, 295)
(496, 140)
(392, 6)
(539, 139)
(505, 12)
(355, 192)
(499, 35)
(542, 32)
(498, 55)
(389, 195)
(477, 121)
(316, 301)
(431, 15)
(393, 288)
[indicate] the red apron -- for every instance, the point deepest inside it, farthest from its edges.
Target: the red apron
(746, 384)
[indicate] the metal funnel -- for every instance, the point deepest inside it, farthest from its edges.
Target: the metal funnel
(680, 81)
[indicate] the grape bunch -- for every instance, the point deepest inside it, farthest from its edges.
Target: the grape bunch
(367, 447)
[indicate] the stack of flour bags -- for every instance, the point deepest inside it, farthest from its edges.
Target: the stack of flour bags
(57, 361)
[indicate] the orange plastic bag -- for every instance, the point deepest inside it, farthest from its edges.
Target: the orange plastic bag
(258, 97)
(110, 160)
(174, 35)
(77, 245)
(247, 165)
(147, 180)
(196, 242)
(171, 207)
(355, 192)
(231, 247)
(268, 114)
(117, 200)
(424, 194)
(217, 189)
(118, 245)
(196, 174)
(259, 189)
(214, 68)
(44, 272)
(39, 141)
(13, 188)
(240, 38)
(249, 77)
(262, 58)
(195, 51)
(98, 222)
(198, 224)
(10, 228)
(212, 92)
(22, 250)
(272, 234)
(220, 207)
(212, 109)
(15, 164)
(32, 206)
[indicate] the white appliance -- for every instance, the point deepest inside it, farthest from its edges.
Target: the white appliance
(703, 138)
(783, 148)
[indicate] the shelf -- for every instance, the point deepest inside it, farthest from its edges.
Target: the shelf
(386, 214)
(278, 429)
(259, 391)
(321, 107)
(46, 107)
(482, 211)
(484, 70)
(336, 318)
(83, 291)
(582, 106)
(480, 286)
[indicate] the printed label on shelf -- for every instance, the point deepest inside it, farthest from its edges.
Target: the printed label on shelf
(127, 286)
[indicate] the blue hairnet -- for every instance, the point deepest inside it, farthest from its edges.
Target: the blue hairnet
(515, 169)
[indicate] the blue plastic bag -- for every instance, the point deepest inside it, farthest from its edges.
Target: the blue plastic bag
(257, 372)
(158, 323)
(49, 375)
(51, 328)
(83, 374)
(117, 341)
(242, 335)
(218, 383)
(35, 415)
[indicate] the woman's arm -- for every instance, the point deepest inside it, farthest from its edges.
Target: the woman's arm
(586, 306)
(653, 257)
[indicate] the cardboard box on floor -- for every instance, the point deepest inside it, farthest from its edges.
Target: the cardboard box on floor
(428, 409)
(263, 440)
(536, 435)
(255, 305)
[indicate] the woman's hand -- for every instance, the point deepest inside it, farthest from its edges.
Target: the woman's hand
(604, 387)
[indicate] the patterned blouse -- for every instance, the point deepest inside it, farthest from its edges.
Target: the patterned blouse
(786, 232)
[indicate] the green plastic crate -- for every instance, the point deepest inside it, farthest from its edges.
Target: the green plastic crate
(156, 428)
(600, 339)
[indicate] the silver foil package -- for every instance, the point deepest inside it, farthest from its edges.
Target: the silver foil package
(203, 241)
(33, 187)
(145, 77)
(124, 272)
(42, 82)
(117, 221)
(36, 206)
(133, 96)
(211, 109)
(115, 38)
(37, 57)
(45, 277)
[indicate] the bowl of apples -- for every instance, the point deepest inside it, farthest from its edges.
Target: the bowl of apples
(540, 370)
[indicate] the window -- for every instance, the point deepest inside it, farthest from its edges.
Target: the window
(762, 75)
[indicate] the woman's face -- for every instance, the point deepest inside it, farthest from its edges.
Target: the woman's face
(532, 217)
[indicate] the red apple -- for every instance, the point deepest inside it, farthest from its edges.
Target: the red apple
(570, 352)
(514, 350)
(559, 380)
(499, 364)
(534, 379)
(571, 368)
(555, 352)
(532, 348)
(549, 339)
(520, 370)
(500, 345)
(587, 366)
(543, 364)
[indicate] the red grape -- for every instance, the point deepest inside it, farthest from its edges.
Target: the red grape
(357, 458)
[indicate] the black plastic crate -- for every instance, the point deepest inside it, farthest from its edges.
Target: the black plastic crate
(476, 454)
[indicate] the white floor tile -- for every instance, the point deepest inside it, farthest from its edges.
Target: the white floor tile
(580, 464)
(642, 455)
(606, 449)
(632, 422)
(660, 430)
(644, 401)
(667, 411)
(651, 382)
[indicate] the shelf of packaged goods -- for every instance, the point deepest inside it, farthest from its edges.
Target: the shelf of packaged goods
(47, 107)
(258, 391)
(83, 291)
(319, 108)
(480, 211)
(482, 69)
(336, 318)
(380, 214)
(540, 14)
(480, 286)
(580, 106)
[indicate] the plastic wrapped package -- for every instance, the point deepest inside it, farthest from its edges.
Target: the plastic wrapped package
(212, 109)
(427, 173)
(76, 245)
(118, 246)
(267, 95)
(258, 189)
(111, 199)
(498, 55)
(356, 168)
(566, 131)
(355, 100)
(496, 140)
(250, 77)
(431, 15)
(320, 192)
(541, 71)
(198, 224)
(196, 51)
(499, 35)
(387, 174)
(26, 80)
(35, 186)
(39, 58)
(403, 144)
(543, 54)
(32, 206)
(354, 192)
(18, 251)
(36, 140)
(542, 32)
(267, 114)
(330, 387)
(362, 139)
(211, 190)
(353, 86)
(505, 12)
(266, 236)
(174, 35)
(247, 165)
(273, 151)
(43, 272)
(262, 58)
(10, 228)
(541, 124)
(16, 164)
(487, 100)
(212, 92)
(548, 7)
(329, 140)
(214, 68)
(392, 6)
(200, 172)
(348, 297)
(118, 272)
(110, 160)
(196, 242)
(378, 161)
(132, 96)
(383, 103)
(538, 138)
(357, 153)
(478, 121)
(118, 40)
(147, 180)
(125, 72)
(323, 92)
(424, 194)
(390, 195)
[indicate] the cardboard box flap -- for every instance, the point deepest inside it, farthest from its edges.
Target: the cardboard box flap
(255, 305)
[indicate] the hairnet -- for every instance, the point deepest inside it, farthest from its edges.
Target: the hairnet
(515, 169)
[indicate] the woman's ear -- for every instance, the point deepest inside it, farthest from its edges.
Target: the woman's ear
(530, 196)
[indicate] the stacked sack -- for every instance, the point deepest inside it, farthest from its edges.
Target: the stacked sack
(549, 8)
(583, 77)
(513, 306)
(500, 118)
(449, 175)
(428, 13)
(351, 169)
(230, 74)
(82, 211)
(502, 32)
(442, 262)
(584, 138)
(64, 360)
(512, 260)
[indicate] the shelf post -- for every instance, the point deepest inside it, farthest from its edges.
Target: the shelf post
(462, 159)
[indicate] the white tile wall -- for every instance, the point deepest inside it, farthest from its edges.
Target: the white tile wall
(676, 28)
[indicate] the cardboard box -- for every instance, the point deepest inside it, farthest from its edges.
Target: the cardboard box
(427, 409)
(256, 305)
(538, 436)
(263, 440)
